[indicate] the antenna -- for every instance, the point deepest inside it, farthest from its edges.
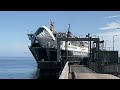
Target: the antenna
(69, 33)
(69, 28)
(65, 31)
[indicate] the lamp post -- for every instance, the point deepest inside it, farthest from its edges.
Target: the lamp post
(114, 41)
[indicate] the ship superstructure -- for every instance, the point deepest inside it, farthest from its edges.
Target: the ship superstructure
(44, 44)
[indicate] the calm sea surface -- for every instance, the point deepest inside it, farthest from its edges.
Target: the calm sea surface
(18, 68)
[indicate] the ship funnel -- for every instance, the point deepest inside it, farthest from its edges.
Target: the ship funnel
(52, 26)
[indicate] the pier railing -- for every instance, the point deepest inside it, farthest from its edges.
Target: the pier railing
(65, 72)
(101, 68)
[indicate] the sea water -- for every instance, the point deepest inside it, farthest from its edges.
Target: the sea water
(18, 68)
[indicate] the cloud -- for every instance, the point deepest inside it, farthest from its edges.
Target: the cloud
(113, 25)
(112, 28)
(113, 16)
(117, 32)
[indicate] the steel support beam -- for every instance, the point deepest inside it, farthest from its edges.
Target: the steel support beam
(75, 39)
(78, 39)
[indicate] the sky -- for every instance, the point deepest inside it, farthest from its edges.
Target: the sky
(14, 26)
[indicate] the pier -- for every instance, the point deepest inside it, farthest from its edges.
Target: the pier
(75, 71)
(100, 64)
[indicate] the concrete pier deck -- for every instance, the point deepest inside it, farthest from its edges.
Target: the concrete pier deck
(83, 72)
